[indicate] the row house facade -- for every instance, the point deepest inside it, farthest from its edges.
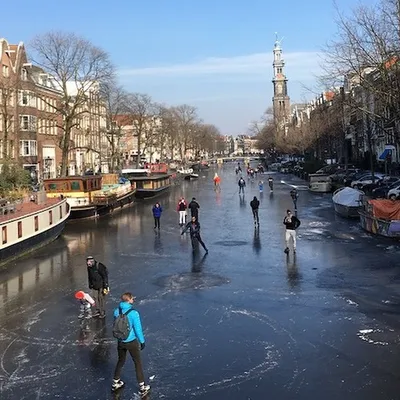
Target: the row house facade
(90, 140)
(150, 147)
(29, 124)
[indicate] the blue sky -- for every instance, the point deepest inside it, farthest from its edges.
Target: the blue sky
(215, 55)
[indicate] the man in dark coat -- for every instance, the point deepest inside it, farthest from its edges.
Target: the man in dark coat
(194, 227)
(255, 204)
(98, 282)
(194, 208)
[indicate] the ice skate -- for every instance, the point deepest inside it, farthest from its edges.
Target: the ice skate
(117, 384)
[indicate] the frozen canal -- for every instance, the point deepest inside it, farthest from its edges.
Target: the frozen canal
(243, 322)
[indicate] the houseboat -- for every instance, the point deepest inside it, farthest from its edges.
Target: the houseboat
(30, 225)
(92, 195)
(381, 217)
(319, 183)
(347, 202)
(149, 182)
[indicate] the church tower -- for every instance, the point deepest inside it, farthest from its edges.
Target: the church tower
(281, 100)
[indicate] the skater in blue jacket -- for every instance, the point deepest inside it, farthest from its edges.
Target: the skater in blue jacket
(134, 343)
(157, 210)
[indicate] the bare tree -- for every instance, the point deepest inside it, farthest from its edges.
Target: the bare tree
(366, 54)
(115, 99)
(77, 67)
(143, 114)
(187, 120)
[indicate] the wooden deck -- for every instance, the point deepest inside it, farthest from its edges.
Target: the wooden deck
(27, 208)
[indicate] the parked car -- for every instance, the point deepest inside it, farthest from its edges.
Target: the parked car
(340, 175)
(381, 192)
(393, 194)
(385, 181)
(365, 180)
(353, 176)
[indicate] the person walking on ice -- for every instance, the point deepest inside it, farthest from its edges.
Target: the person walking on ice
(128, 330)
(217, 182)
(291, 223)
(241, 184)
(194, 208)
(182, 206)
(255, 204)
(157, 210)
(98, 283)
(194, 227)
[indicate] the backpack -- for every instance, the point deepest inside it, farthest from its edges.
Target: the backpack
(121, 327)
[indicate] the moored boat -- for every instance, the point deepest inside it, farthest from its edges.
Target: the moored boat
(92, 195)
(347, 202)
(187, 173)
(320, 183)
(31, 225)
(381, 217)
(149, 182)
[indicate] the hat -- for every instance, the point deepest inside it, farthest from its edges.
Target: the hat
(79, 295)
(89, 258)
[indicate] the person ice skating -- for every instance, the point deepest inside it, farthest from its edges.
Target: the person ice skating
(157, 210)
(98, 282)
(255, 204)
(217, 182)
(194, 208)
(242, 184)
(86, 301)
(294, 195)
(133, 342)
(271, 183)
(194, 227)
(261, 186)
(182, 206)
(292, 223)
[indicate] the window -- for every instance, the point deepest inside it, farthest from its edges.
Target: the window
(28, 148)
(75, 186)
(50, 217)
(19, 229)
(24, 74)
(4, 234)
(26, 98)
(27, 122)
(5, 71)
(36, 223)
(60, 212)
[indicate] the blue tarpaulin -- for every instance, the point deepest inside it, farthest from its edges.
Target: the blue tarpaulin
(384, 155)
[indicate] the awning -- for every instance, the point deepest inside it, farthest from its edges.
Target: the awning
(385, 153)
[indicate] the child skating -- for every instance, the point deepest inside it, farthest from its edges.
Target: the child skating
(86, 304)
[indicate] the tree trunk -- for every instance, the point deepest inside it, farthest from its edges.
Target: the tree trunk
(370, 149)
(139, 143)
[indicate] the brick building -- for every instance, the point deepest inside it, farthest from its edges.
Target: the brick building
(29, 120)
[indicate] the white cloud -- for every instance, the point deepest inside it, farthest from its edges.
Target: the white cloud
(302, 65)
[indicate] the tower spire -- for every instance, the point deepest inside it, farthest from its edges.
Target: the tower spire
(281, 100)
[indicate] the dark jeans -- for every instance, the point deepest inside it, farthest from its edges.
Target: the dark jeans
(157, 222)
(255, 215)
(198, 238)
(241, 189)
(98, 297)
(134, 350)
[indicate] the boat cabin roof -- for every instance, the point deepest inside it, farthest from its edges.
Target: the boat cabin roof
(67, 184)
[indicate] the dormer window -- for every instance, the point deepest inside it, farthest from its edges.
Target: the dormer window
(5, 71)
(24, 74)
